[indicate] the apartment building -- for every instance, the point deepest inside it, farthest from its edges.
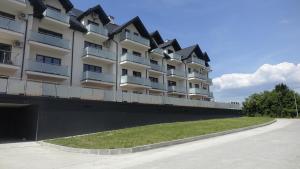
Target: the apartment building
(51, 42)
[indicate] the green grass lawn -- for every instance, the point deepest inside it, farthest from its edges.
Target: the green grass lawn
(132, 137)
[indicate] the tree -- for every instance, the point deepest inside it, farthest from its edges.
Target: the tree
(276, 103)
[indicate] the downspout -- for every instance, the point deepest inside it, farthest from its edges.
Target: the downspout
(117, 64)
(186, 81)
(72, 58)
(24, 49)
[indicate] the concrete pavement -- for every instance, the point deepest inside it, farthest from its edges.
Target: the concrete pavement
(272, 147)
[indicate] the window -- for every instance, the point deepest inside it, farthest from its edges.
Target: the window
(92, 23)
(5, 53)
(137, 92)
(127, 30)
(92, 68)
(93, 45)
(170, 67)
(189, 70)
(51, 33)
(171, 83)
(153, 79)
(137, 74)
(136, 34)
(124, 72)
(48, 60)
(197, 86)
(191, 85)
(124, 91)
(53, 8)
(136, 53)
(7, 15)
(124, 51)
(153, 62)
(170, 51)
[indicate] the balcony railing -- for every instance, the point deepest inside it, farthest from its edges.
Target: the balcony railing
(97, 29)
(210, 94)
(47, 68)
(56, 15)
(158, 86)
(200, 76)
(175, 56)
(12, 25)
(135, 38)
(49, 40)
(176, 89)
(199, 91)
(156, 67)
(158, 51)
(174, 72)
(136, 59)
(8, 58)
(101, 53)
(135, 80)
(196, 60)
(88, 75)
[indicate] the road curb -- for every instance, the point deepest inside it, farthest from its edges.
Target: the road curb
(150, 146)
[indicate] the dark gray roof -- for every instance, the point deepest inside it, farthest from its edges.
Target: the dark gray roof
(173, 43)
(111, 27)
(187, 53)
(39, 6)
(157, 37)
(99, 11)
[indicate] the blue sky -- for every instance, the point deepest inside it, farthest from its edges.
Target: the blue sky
(240, 36)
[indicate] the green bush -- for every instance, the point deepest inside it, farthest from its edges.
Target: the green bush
(279, 102)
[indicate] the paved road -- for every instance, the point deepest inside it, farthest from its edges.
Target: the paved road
(272, 147)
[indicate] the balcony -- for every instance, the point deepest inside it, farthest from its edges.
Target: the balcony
(49, 42)
(15, 4)
(8, 63)
(157, 86)
(131, 81)
(47, 70)
(176, 73)
(133, 60)
(55, 17)
(11, 29)
(96, 32)
(175, 57)
(93, 54)
(134, 41)
(156, 68)
(158, 52)
(198, 91)
(176, 89)
(97, 78)
(196, 61)
(199, 77)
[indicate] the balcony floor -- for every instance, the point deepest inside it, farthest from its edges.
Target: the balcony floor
(133, 86)
(48, 47)
(89, 82)
(97, 59)
(10, 35)
(45, 76)
(96, 36)
(134, 64)
(8, 70)
(50, 21)
(134, 45)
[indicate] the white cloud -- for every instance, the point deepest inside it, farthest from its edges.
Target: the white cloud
(239, 85)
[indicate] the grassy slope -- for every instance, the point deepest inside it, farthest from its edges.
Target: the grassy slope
(132, 137)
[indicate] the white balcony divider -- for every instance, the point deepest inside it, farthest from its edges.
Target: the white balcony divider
(29, 88)
(12, 25)
(101, 53)
(57, 15)
(136, 59)
(49, 40)
(135, 38)
(97, 29)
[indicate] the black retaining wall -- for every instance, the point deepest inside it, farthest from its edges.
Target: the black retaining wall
(67, 117)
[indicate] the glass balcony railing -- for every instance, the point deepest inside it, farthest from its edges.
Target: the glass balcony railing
(135, 80)
(158, 51)
(12, 25)
(196, 61)
(156, 67)
(97, 29)
(47, 68)
(88, 75)
(210, 94)
(156, 85)
(49, 40)
(199, 91)
(200, 76)
(175, 56)
(57, 15)
(101, 53)
(136, 59)
(135, 38)
(173, 72)
(176, 89)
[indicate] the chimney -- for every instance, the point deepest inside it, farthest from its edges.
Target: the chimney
(112, 19)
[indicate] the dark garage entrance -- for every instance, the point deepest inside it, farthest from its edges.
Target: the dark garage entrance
(17, 122)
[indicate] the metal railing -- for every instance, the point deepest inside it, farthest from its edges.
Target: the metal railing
(47, 68)
(156, 67)
(101, 53)
(88, 75)
(175, 72)
(176, 89)
(57, 15)
(196, 60)
(198, 91)
(156, 85)
(49, 40)
(12, 25)
(136, 59)
(175, 56)
(158, 51)
(97, 29)
(135, 38)
(8, 57)
(135, 80)
(30, 88)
